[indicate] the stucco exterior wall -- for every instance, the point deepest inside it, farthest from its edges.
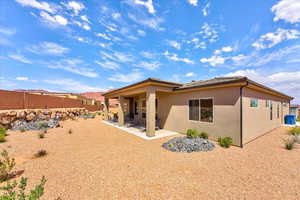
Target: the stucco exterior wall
(256, 120)
(174, 109)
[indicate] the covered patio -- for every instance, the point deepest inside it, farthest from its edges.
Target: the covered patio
(139, 104)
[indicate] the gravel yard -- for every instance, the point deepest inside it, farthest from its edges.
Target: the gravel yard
(98, 161)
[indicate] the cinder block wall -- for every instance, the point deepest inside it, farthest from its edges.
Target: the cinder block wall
(19, 100)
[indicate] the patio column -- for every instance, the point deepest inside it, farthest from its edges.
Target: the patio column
(106, 108)
(121, 111)
(150, 111)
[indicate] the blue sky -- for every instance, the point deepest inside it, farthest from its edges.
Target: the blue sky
(96, 45)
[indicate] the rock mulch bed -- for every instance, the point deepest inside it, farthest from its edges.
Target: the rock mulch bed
(188, 145)
(34, 125)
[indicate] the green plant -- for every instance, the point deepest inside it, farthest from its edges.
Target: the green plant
(203, 135)
(225, 141)
(22, 130)
(41, 135)
(170, 145)
(192, 133)
(41, 153)
(70, 131)
(6, 165)
(2, 131)
(17, 191)
(289, 143)
(2, 138)
(295, 131)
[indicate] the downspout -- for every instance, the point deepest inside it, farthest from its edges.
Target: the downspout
(241, 113)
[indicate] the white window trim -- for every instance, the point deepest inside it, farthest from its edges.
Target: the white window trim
(199, 121)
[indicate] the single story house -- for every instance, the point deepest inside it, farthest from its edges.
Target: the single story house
(225, 106)
(295, 110)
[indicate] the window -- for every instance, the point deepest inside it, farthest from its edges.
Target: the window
(206, 110)
(194, 109)
(271, 110)
(144, 109)
(253, 103)
(135, 108)
(267, 103)
(201, 110)
(278, 110)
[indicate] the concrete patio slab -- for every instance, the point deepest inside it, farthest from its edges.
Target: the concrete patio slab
(140, 131)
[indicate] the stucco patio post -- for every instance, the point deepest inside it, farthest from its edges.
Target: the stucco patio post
(121, 111)
(106, 108)
(150, 111)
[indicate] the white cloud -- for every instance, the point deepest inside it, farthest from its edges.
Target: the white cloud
(197, 43)
(86, 27)
(209, 32)
(174, 57)
(273, 38)
(85, 18)
(126, 78)
(205, 9)
(174, 44)
(286, 82)
(22, 78)
(287, 10)
(141, 33)
(75, 6)
(103, 35)
(147, 54)
(118, 56)
(53, 20)
(48, 48)
(74, 66)
(20, 58)
(149, 65)
(72, 85)
(193, 2)
(108, 65)
(224, 49)
(214, 60)
(7, 31)
(227, 49)
(190, 74)
(148, 4)
(153, 22)
(51, 8)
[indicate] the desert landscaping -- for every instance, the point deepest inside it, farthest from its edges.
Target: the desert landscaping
(87, 159)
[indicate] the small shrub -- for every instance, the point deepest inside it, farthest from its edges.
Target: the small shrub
(170, 145)
(2, 138)
(70, 131)
(192, 133)
(3, 131)
(225, 141)
(289, 143)
(41, 135)
(40, 153)
(6, 166)
(16, 191)
(203, 135)
(295, 131)
(23, 130)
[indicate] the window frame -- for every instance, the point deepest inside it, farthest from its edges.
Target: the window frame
(199, 121)
(256, 101)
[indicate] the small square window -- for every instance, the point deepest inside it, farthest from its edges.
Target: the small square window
(254, 103)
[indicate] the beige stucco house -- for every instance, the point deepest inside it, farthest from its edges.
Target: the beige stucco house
(227, 106)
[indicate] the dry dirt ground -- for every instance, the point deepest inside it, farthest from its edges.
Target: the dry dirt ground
(98, 161)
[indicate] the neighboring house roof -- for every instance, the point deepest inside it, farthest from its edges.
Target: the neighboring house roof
(294, 106)
(205, 83)
(31, 91)
(98, 96)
